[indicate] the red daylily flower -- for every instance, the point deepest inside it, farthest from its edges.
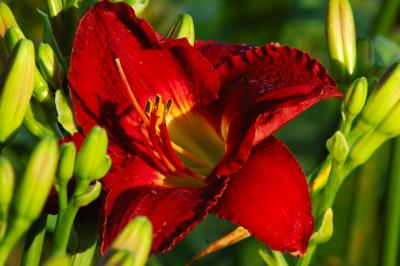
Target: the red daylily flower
(191, 128)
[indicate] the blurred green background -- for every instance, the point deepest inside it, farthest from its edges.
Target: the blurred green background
(297, 23)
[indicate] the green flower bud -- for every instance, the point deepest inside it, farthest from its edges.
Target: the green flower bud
(325, 231)
(341, 37)
(120, 258)
(355, 98)
(41, 89)
(55, 7)
(104, 168)
(338, 147)
(66, 163)
(6, 18)
(16, 89)
(91, 154)
(65, 113)
(183, 28)
(384, 97)
(36, 120)
(36, 182)
(138, 5)
(7, 179)
(136, 238)
(49, 65)
(365, 56)
(390, 124)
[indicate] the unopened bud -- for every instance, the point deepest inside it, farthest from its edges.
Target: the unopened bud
(36, 120)
(341, 38)
(16, 89)
(384, 97)
(91, 154)
(65, 114)
(6, 18)
(355, 97)
(66, 163)
(6, 188)
(325, 231)
(12, 36)
(35, 185)
(183, 28)
(391, 123)
(365, 56)
(49, 65)
(136, 238)
(54, 7)
(338, 147)
(104, 168)
(92, 193)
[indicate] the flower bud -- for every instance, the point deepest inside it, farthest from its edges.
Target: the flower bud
(7, 179)
(54, 7)
(136, 237)
(6, 18)
(65, 114)
(36, 120)
(120, 258)
(325, 231)
(36, 182)
(341, 38)
(49, 65)
(92, 193)
(91, 154)
(355, 98)
(104, 168)
(183, 28)
(384, 97)
(16, 88)
(40, 90)
(365, 55)
(138, 5)
(66, 164)
(391, 123)
(338, 147)
(58, 260)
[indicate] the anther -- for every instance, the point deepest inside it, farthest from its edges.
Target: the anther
(149, 107)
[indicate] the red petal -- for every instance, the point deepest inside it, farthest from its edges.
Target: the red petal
(171, 68)
(265, 88)
(133, 190)
(269, 196)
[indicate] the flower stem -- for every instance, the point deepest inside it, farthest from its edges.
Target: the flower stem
(392, 211)
(386, 17)
(16, 230)
(34, 242)
(63, 228)
(305, 261)
(62, 197)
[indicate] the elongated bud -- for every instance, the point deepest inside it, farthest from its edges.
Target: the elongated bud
(54, 7)
(65, 114)
(341, 39)
(36, 120)
(91, 154)
(183, 28)
(338, 147)
(355, 97)
(365, 55)
(104, 168)
(35, 185)
(6, 187)
(40, 90)
(6, 18)
(325, 231)
(136, 238)
(16, 88)
(138, 5)
(120, 258)
(391, 123)
(49, 65)
(66, 163)
(384, 97)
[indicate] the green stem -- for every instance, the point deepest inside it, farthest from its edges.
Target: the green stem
(305, 261)
(385, 17)
(3, 224)
(62, 197)
(63, 228)
(392, 211)
(34, 242)
(16, 230)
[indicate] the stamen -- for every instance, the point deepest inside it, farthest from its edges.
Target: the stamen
(149, 107)
(136, 104)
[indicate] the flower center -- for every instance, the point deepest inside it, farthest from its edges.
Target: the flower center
(185, 148)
